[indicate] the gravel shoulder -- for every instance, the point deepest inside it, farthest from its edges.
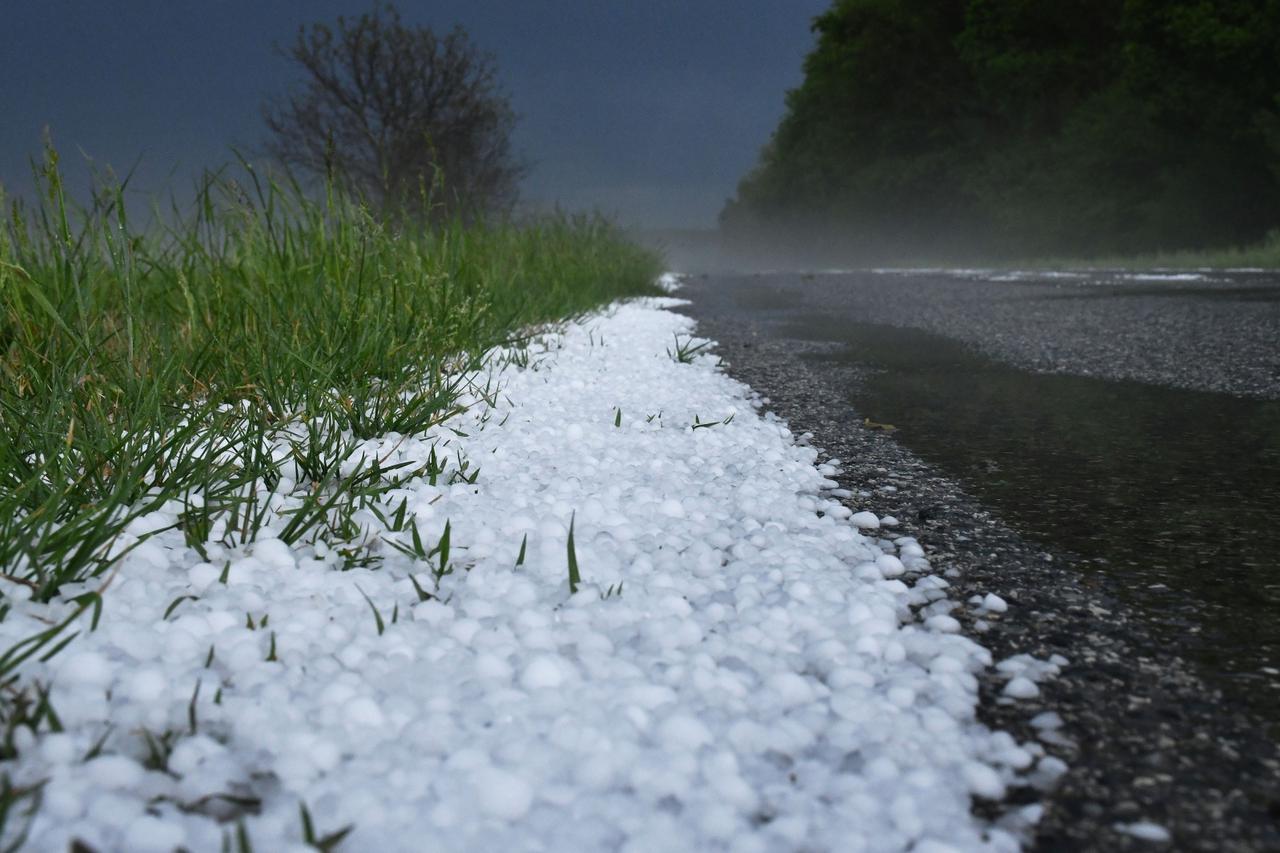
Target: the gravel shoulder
(1146, 739)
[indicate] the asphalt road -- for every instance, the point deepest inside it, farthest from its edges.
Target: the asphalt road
(1151, 732)
(1202, 331)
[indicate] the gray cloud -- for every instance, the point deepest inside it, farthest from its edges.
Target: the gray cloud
(651, 110)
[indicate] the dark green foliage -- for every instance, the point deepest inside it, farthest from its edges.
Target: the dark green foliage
(951, 127)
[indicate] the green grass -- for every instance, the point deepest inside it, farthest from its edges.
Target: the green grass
(142, 366)
(164, 366)
(688, 349)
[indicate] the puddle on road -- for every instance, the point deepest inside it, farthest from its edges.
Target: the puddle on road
(1176, 494)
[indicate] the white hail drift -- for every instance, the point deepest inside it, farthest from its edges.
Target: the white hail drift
(741, 668)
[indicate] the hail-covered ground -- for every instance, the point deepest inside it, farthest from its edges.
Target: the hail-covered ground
(746, 664)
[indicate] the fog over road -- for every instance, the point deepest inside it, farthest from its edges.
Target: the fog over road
(1101, 449)
(1201, 331)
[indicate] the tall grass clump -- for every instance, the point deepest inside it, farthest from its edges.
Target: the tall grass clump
(195, 365)
(150, 367)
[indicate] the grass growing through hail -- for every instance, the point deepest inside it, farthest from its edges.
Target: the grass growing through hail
(143, 367)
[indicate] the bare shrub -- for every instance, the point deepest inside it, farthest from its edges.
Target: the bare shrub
(413, 122)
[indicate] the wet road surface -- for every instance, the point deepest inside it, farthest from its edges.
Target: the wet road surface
(1125, 431)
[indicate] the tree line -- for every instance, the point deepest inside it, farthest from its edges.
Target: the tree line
(1024, 127)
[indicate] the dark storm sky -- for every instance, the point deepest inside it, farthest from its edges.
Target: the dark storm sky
(647, 109)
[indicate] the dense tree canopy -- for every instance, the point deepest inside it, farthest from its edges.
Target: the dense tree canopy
(1017, 126)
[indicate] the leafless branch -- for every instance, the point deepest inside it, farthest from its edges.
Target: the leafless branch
(411, 121)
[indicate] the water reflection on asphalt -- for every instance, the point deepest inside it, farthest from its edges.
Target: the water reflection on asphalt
(1173, 493)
